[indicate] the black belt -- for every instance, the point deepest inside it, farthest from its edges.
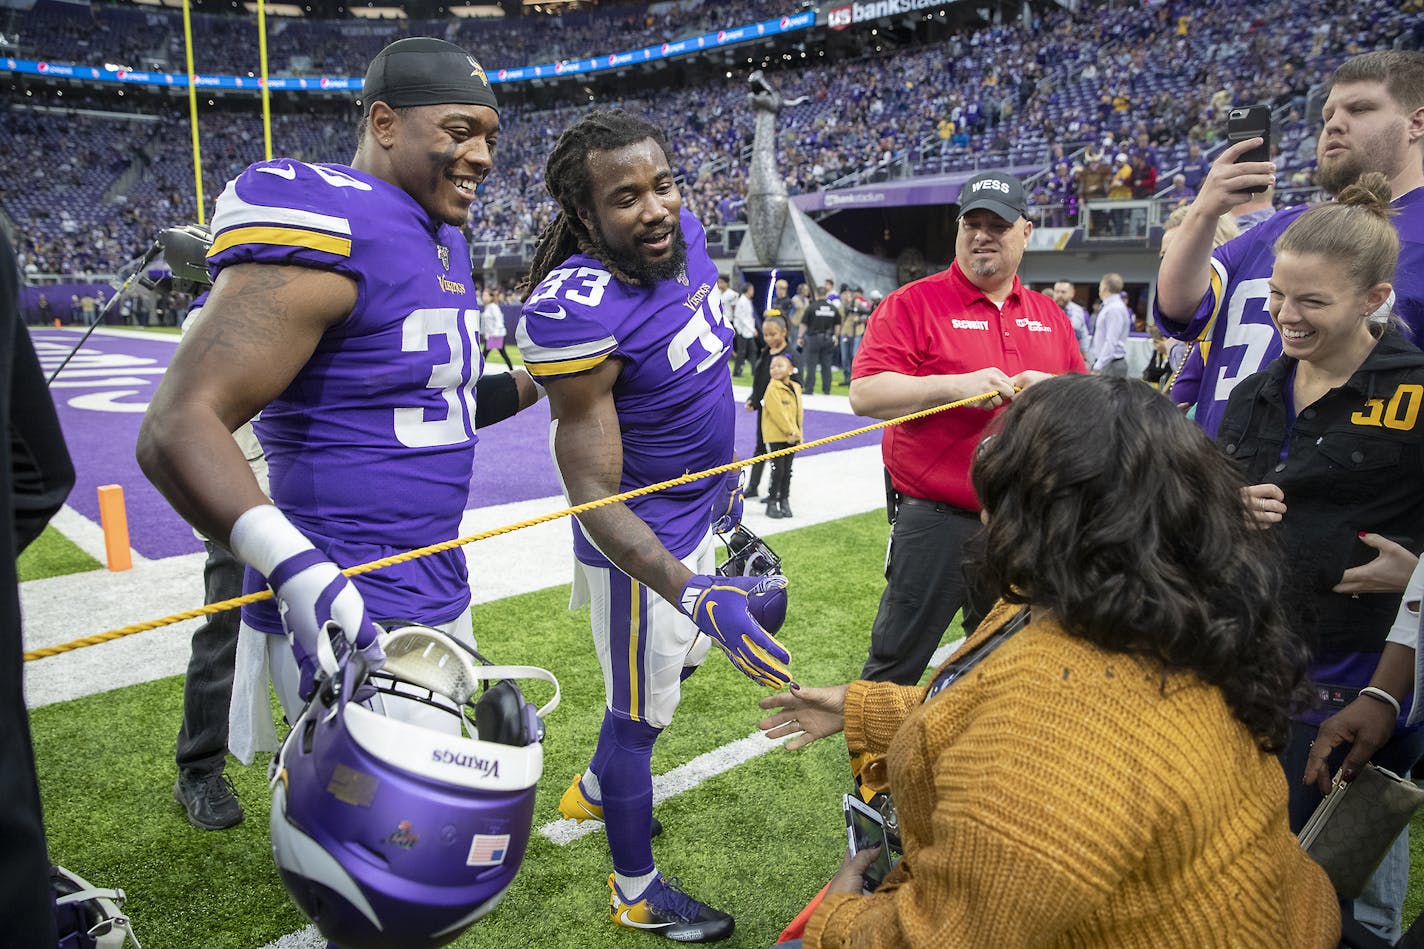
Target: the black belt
(939, 507)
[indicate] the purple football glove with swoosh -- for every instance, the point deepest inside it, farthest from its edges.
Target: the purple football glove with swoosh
(734, 499)
(314, 598)
(741, 614)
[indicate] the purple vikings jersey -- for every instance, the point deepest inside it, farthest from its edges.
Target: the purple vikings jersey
(1242, 338)
(674, 394)
(370, 448)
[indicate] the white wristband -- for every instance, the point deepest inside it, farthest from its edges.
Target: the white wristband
(262, 537)
(1383, 696)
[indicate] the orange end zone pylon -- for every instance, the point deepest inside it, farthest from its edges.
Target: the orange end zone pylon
(115, 521)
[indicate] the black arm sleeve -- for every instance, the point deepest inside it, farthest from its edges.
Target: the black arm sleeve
(39, 460)
(496, 398)
(40, 470)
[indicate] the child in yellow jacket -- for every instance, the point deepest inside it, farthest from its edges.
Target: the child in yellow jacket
(781, 420)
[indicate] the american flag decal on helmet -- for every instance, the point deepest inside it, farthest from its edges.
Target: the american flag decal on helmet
(487, 850)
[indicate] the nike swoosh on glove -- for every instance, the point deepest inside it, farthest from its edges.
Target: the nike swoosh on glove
(735, 496)
(741, 614)
(314, 598)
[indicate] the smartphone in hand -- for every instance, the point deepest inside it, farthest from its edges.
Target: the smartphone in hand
(1251, 121)
(865, 828)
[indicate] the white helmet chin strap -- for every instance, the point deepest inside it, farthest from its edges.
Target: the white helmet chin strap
(433, 660)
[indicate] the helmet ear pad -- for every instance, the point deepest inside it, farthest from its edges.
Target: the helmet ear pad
(503, 716)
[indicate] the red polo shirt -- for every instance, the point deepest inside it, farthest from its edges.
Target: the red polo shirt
(944, 325)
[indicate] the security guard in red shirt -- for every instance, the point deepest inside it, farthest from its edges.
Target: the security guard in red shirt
(964, 331)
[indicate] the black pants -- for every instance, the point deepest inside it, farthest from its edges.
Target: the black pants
(507, 364)
(780, 472)
(754, 479)
(207, 687)
(820, 347)
(926, 583)
(745, 349)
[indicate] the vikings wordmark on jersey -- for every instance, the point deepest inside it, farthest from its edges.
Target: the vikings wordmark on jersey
(388, 391)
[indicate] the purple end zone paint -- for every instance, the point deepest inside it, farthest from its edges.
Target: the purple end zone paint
(100, 397)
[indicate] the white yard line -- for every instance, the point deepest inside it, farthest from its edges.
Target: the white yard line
(85, 534)
(684, 777)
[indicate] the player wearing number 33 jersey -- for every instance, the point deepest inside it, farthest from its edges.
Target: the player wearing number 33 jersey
(624, 327)
(387, 394)
(675, 413)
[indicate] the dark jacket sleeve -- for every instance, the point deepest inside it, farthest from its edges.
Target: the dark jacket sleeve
(40, 470)
(39, 459)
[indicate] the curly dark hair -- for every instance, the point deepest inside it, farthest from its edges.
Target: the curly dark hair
(1110, 509)
(567, 177)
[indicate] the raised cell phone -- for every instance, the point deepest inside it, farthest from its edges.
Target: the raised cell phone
(1250, 121)
(865, 828)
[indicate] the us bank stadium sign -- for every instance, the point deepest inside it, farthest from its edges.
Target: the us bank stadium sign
(849, 14)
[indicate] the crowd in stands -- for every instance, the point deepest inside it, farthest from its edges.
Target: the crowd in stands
(1098, 105)
(225, 43)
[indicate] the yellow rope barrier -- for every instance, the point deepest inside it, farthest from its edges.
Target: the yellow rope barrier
(577, 509)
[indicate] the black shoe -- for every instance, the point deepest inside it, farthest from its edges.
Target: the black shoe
(750, 492)
(666, 910)
(773, 508)
(785, 508)
(210, 800)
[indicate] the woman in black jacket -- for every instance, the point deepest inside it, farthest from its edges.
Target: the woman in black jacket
(1331, 440)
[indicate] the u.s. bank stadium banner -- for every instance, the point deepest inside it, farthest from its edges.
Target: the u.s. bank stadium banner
(592, 64)
(840, 16)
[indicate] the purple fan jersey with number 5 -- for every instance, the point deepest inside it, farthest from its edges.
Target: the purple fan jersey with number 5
(370, 448)
(674, 395)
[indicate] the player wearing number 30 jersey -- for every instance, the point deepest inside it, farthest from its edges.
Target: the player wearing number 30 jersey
(343, 314)
(388, 392)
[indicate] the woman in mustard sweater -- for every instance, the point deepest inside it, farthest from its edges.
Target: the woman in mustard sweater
(1105, 775)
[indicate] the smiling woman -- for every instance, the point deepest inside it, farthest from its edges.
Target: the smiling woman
(1329, 438)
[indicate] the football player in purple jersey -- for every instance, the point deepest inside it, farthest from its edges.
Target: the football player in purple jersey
(624, 327)
(343, 315)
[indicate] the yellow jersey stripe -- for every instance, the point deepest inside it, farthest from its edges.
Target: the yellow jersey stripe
(1217, 280)
(565, 366)
(282, 236)
(635, 617)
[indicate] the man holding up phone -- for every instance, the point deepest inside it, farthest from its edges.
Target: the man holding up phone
(1374, 121)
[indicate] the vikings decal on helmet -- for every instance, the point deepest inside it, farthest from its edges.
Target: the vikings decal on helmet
(399, 821)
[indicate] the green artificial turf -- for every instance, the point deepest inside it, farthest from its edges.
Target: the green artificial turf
(757, 841)
(53, 555)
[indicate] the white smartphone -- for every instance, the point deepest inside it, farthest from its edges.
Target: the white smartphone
(865, 828)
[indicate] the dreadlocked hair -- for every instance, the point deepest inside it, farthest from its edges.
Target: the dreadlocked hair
(567, 177)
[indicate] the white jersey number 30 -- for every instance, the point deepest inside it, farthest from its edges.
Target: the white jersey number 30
(454, 378)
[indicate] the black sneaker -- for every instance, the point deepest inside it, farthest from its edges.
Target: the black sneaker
(210, 800)
(665, 910)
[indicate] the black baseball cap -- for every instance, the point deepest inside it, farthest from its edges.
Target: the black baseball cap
(994, 191)
(423, 70)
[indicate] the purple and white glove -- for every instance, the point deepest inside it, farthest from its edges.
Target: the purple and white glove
(735, 498)
(741, 614)
(313, 596)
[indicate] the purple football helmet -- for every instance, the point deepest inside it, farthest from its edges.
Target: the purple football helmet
(393, 834)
